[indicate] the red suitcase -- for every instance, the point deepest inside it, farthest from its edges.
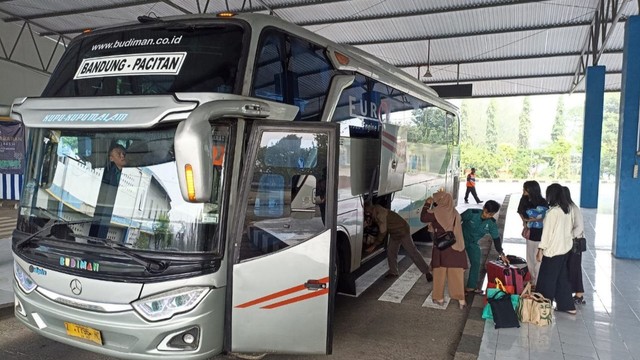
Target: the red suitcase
(514, 276)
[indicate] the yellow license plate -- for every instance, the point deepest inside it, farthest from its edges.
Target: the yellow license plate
(84, 332)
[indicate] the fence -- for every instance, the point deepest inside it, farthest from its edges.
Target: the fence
(11, 186)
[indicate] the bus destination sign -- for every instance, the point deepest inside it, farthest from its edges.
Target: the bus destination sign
(131, 65)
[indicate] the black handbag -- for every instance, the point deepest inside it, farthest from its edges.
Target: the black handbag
(579, 245)
(504, 316)
(445, 240)
(516, 260)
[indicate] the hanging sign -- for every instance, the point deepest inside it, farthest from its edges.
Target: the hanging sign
(11, 148)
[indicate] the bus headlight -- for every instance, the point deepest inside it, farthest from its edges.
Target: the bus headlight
(165, 305)
(25, 283)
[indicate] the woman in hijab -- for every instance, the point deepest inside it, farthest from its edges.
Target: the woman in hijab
(447, 265)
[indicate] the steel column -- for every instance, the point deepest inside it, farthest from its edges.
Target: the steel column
(626, 242)
(592, 136)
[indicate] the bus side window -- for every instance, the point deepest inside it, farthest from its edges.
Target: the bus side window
(270, 196)
(310, 73)
(268, 75)
(293, 71)
(281, 208)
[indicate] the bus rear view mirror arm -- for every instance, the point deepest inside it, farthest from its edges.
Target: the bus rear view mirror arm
(5, 110)
(194, 143)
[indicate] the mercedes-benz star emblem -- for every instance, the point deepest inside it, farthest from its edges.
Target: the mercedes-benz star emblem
(76, 287)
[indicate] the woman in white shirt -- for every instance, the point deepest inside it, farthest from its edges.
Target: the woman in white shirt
(554, 249)
(574, 263)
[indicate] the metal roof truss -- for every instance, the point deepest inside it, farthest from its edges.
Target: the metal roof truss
(600, 31)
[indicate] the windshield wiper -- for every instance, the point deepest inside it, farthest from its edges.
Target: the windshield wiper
(58, 217)
(150, 265)
(48, 226)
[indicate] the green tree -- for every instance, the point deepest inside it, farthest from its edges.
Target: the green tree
(162, 235)
(559, 158)
(285, 154)
(526, 162)
(143, 241)
(487, 163)
(507, 154)
(559, 151)
(610, 124)
(70, 141)
(524, 125)
(429, 125)
(491, 134)
(574, 124)
(521, 165)
(465, 121)
(557, 131)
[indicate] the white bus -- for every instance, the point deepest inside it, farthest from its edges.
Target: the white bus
(250, 145)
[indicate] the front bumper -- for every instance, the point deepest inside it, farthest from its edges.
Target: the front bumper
(126, 334)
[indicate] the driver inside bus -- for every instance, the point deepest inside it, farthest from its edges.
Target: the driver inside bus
(117, 160)
(108, 190)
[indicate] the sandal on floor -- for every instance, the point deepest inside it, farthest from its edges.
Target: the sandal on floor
(579, 300)
(439, 302)
(474, 291)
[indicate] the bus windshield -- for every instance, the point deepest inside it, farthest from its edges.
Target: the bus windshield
(161, 58)
(117, 187)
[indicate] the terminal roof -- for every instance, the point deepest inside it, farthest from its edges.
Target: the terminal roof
(501, 47)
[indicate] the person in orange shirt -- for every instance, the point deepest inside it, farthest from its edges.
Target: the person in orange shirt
(471, 187)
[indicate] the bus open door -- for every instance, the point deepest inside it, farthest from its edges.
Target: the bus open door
(282, 275)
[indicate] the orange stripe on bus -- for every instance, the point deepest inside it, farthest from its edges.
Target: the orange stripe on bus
(389, 147)
(389, 136)
(296, 299)
(272, 296)
(279, 294)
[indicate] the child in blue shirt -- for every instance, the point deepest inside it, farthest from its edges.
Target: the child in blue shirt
(536, 213)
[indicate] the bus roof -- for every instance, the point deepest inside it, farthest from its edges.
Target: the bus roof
(378, 69)
(364, 62)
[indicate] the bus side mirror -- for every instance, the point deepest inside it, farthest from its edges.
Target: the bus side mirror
(49, 164)
(193, 146)
(194, 143)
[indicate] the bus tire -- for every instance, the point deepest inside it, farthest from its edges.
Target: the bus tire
(341, 264)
